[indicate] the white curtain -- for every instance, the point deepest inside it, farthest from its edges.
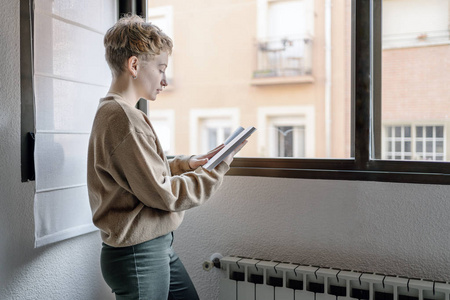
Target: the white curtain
(70, 75)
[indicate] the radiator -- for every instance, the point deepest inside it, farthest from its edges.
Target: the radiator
(255, 279)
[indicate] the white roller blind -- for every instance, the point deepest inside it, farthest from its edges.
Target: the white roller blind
(70, 75)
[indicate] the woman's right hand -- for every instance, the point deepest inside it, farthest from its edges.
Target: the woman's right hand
(230, 157)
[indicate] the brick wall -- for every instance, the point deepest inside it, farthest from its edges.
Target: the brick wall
(416, 83)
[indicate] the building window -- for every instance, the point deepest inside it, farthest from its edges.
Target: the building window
(430, 142)
(214, 131)
(291, 141)
(398, 142)
(163, 121)
(286, 131)
(210, 128)
(288, 140)
(415, 142)
(284, 45)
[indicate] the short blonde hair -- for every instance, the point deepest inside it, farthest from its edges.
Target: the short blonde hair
(132, 36)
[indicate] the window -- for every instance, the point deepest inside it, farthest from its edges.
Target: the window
(211, 127)
(415, 142)
(258, 55)
(163, 122)
(430, 142)
(290, 141)
(289, 131)
(243, 55)
(398, 142)
(415, 63)
(284, 41)
(213, 133)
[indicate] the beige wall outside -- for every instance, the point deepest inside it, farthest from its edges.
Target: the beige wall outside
(214, 58)
(213, 66)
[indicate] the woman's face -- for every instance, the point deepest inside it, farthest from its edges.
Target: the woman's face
(151, 76)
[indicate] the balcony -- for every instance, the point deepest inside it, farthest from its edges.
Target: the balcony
(283, 61)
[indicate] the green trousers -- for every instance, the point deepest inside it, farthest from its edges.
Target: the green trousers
(147, 271)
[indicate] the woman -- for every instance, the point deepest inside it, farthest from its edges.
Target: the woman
(137, 196)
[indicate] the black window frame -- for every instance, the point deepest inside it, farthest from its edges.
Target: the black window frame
(365, 114)
(27, 126)
(365, 123)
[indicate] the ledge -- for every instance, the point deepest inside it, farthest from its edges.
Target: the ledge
(282, 80)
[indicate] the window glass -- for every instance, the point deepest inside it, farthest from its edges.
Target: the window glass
(162, 126)
(415, 77)
(213, 132)
(162, 16)
(290, 141)
(281, 66)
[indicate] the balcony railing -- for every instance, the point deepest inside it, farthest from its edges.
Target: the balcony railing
(283, 57)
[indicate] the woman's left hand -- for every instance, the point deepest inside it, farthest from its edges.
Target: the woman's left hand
(199, 160)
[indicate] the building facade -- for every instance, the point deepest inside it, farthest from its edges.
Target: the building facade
(283, 66)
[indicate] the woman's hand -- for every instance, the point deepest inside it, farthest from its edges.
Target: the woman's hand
(199, 160)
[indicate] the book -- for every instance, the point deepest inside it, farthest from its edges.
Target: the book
(231, 143)
(234, 134)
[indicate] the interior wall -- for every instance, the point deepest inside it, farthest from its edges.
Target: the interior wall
(368, 226)
(390, 228)
(66, 270)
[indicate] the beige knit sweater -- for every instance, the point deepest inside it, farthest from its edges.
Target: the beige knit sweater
(135, 193)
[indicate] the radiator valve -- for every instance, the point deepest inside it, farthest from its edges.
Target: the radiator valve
(214, 261)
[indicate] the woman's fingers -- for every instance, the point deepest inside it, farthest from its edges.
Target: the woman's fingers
(217, 149)
(200, 160)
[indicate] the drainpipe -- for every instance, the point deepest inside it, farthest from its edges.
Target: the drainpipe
(328, 78)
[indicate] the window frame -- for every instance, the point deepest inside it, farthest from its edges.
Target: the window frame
(365, 98)
(27, 128)
(366, 127)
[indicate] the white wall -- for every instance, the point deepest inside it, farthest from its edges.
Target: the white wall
(400, 229)
(394, 228)
(66, 270)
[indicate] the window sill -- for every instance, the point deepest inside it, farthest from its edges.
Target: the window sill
(282, 80)
(342, 169)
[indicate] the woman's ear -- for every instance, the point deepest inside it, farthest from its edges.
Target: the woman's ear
(132, 66)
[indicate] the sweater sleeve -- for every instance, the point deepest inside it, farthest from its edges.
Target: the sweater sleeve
(139, 169)
(180, 164)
